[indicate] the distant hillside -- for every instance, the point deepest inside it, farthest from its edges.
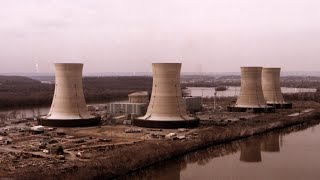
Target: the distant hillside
(9, 80)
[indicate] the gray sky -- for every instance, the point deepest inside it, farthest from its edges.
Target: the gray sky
(127, 35)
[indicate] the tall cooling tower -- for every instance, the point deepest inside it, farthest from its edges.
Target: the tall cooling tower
(68, 106)
(271, 88)
(251, 94)
(166, 108)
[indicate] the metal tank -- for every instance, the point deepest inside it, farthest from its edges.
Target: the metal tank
(271, 88)
(251, 95)
(166, 108)
(68, 105)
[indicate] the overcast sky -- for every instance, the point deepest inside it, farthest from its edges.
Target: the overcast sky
(128, 35)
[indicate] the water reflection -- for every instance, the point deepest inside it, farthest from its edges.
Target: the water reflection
(271, 142)
(165, 171)
(252, 147)
(251, 150)
(259, 157)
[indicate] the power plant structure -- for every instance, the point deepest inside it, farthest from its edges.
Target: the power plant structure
(68, 107)
(251, 95)
(166, 108)
(272, 90)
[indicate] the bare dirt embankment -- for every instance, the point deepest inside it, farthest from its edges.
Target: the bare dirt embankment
(120, 160)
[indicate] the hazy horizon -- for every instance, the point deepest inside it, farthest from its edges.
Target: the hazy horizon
(127, 36)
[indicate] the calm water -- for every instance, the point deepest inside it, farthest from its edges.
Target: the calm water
(235, 91)
(287, 154)
(37, 111)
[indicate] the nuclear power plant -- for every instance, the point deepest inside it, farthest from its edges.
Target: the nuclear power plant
(271, 88)
(251, 94)
(68, 107)
(166, 108)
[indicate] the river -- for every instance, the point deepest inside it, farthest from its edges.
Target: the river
(235, 91)
(19, 113)
(292, 153)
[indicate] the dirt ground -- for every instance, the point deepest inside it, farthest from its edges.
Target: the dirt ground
(23, 151)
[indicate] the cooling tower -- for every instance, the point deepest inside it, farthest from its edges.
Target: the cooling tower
(271, 88)
(68, 105)
(166, 108)
(251, 94)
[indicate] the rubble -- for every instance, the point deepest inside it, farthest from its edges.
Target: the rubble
(171, 136)
(133, 130)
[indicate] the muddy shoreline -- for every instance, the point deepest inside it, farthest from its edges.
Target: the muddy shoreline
(117, 162)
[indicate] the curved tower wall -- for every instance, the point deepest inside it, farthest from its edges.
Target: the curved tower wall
(251, 94)
(166, 99)
(166, 108)
(271, 86)
(68, 100)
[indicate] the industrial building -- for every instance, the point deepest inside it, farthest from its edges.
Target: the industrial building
(139, 97)
(138, 109)
(193, 103)
(68, 105)
(271, 88)
(166, 108)
(251, 95)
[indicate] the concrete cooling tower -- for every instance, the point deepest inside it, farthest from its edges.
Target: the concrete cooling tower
(251, 94)
(271, 88)
(166, 108)
(68, 107)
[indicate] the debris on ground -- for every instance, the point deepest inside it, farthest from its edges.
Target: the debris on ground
(182, 130)
(133, 130)
(171, 136)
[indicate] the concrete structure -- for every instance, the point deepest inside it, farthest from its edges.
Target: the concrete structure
(251, 94)
(139, 97)
(271, 88)
(166, 108)
(127, 108)
(193, 104)
(68, 106)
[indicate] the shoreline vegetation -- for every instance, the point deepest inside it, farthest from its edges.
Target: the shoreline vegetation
(21, 92)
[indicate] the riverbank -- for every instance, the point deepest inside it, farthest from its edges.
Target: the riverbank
(148, 148)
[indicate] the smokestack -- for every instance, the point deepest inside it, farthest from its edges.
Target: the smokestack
(251, 94)
(166, 108)
(68, 105)
(271, 88)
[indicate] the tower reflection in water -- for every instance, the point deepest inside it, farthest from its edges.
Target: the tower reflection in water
(251, 148)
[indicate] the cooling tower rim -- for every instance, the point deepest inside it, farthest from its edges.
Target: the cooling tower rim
(271, 68)
(66, 64)
(166, 63)
(69, 122)
(251, 67)
(167, 124)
